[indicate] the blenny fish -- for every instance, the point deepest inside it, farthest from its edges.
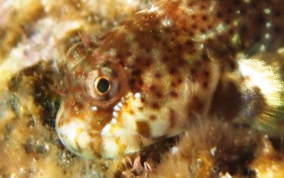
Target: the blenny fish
(171, 63)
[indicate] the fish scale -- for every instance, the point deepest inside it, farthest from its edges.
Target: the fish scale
(172, 62)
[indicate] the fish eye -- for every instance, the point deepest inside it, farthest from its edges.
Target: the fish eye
(105, 83)
(99, 81)
(102, 85)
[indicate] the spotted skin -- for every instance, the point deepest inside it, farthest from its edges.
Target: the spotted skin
(167, 64)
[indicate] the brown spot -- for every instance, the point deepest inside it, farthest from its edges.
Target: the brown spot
(136, 72)
(152, 117)
(204, 18)
(148, 50)
(153, 88)
(277, 13)
(155, 105)
(173, 84)
(196, 104)
(277, 29)
(158, 94)
(179, 80)
(157, 75)
(143, 128)
(143, 100)
(189, 43)
(140, 108)
(131, 112)
(179, 47)
(206, 73)
(140, 82)
(172, 70)
(260, 19)
(202, 7)
(232, 65)
(194, 26)
(209, 27)
(173, 94)
(219, 14)
(202, 30)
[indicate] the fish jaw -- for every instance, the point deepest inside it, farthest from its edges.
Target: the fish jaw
(90, 134)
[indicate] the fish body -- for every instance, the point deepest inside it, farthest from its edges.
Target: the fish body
(167, 65)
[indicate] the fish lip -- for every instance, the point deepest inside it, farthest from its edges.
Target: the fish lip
(74, 135)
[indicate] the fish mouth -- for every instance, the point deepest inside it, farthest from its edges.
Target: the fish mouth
(93, 132)
(73, 133)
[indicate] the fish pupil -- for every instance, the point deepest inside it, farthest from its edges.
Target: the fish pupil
(103, 85)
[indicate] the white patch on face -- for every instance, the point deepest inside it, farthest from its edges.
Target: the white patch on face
(119, 143)
(109, 147)
(113, 121)
(137, 95)
(114, 114)
(74, 136)
(106, 129)
(116, 108)
(94, 108)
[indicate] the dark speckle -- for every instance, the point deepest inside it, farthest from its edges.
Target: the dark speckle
(205, 84)
(277, 13)
(277, 29)
(206, 73)
(143, 128)
(155, 105)
(158, 94)
(204, 18)
(173, 94)
(153, 87)
(157, 75)
(152, 117)
(136, 72)
(172, 70)
(219, 14)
